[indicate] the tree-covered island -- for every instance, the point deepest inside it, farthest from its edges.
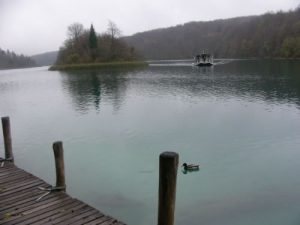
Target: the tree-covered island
(85, 49)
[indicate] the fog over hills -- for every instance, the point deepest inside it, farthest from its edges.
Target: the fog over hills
(266, 36)
(45, 59)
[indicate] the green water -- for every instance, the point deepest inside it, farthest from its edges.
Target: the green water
(239, 119)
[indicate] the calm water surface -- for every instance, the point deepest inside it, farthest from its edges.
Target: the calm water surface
(239, 119)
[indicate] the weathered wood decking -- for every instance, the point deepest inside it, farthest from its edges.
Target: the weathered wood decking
(19, 191)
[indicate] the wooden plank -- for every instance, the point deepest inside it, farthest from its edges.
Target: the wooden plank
(98, 220)
(67, 209)
(19, 192)
(16, 184)
(19, 181)
(57, 217)
(19, 201)
(31, 196)
(41, 214)
(10, 176)
(108, 222)
(26, 204)
(20, 175)
(78, 217)
(74, 212)
(5, 172)
(25, 192)
(31, 208)
(9, 168)
(12, 169)
(89, 218)
(18, 188)
(46, 217)
(7, 165)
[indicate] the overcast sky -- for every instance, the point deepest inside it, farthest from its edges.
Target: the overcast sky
(36, 26)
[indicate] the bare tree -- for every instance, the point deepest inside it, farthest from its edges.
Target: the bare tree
(75, 30)
(113, 30)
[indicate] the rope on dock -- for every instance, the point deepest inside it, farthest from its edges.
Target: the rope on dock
(2, 161)
(49, 190)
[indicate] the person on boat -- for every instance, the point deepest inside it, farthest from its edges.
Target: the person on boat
(203, 57)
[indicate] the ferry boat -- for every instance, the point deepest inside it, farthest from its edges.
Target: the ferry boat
(203, 59)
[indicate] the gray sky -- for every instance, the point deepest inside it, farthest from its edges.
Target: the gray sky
(37, 26)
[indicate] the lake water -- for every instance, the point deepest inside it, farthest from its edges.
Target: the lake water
(239, 119)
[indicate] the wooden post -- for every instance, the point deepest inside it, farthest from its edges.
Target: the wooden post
(7, 139)
(59, 165)
(168, 165)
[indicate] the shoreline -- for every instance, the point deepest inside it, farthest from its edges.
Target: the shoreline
(104, 65)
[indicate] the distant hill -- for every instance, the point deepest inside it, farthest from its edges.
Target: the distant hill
(10, 60)
(268, 35)
(45, 59)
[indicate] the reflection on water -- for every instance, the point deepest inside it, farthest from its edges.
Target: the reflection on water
(241, 210)
(271, 80)
(266, 80)
(88, 88)
(239, 120)
(189, 171)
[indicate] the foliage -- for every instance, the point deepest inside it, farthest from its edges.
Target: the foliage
(86, 46)
(9, 60)
(269, 35)
(291, 47)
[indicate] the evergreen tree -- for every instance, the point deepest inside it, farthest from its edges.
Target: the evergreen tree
(93, 43)
(92, 38)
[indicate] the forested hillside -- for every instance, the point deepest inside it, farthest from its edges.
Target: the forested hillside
(268, 35)
(10, 60)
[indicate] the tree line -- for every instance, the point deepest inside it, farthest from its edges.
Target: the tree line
(87, 46)
(10, 60)
(271, 35)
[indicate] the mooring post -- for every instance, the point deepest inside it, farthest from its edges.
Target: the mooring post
(168, 165)
(59, 165)
(7, 139)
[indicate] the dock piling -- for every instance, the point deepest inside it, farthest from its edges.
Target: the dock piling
(168, 165)
(59, 165)
(7, 139)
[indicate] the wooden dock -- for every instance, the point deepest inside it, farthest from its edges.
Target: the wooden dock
(19, 204)
(26, 199)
